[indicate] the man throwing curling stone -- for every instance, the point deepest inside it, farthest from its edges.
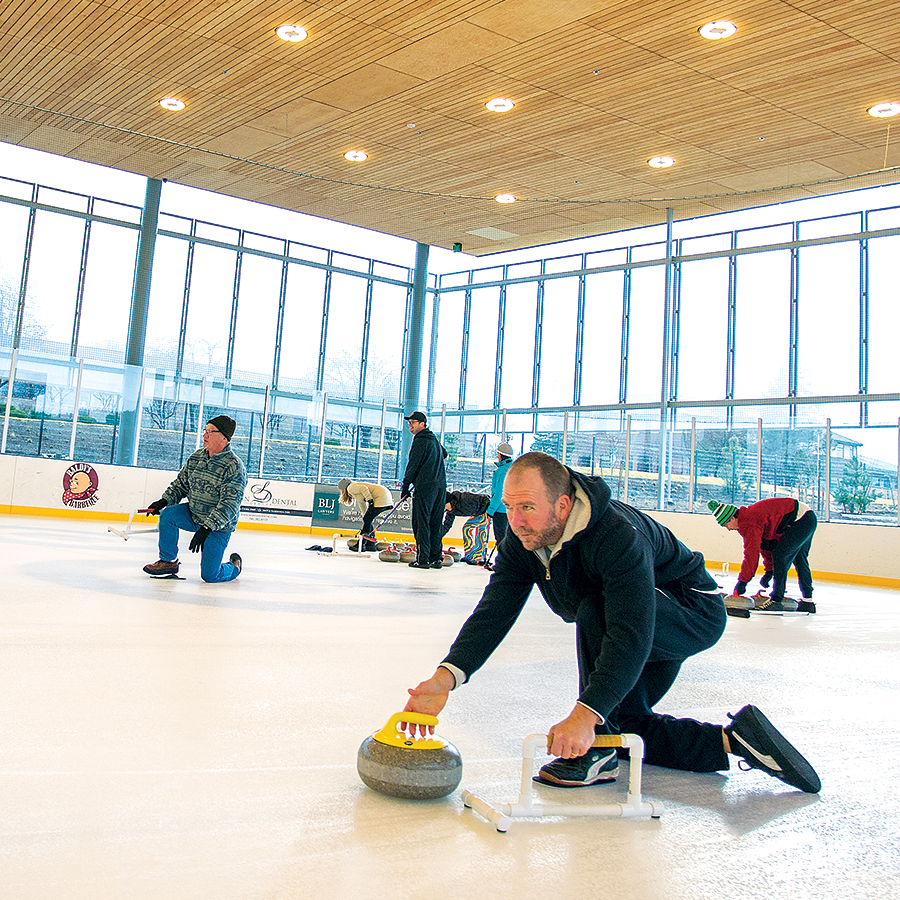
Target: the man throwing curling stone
(213, 481)
(641, 602)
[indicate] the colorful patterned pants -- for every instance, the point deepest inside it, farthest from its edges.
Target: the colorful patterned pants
(475, 537)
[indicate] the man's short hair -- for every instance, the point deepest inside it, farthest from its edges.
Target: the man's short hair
(554, 474)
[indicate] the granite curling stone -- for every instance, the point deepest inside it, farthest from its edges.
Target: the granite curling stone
(412, 768)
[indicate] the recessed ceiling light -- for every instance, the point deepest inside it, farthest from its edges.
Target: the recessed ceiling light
(356, 155)
(505, 198)
(172, 103)
(499, 104)
(715, 31)
(884, 110)
(291, 33)
(661, 162)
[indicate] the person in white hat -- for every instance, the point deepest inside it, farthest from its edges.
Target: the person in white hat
(496, 510)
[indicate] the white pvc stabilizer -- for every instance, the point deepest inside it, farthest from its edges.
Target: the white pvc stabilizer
(128, 530)
(527, 806)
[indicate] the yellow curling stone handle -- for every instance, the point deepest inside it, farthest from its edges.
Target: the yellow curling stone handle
(394, 737)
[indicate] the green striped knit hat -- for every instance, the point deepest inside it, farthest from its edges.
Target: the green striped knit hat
(722, 511)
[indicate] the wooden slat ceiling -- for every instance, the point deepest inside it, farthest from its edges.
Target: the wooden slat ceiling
(774, 112)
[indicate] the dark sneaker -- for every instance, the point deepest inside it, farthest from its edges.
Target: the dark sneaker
(597, 766)
(236, 561)
(753, 737)
(163, 567)
(437, 564)
(765, 603)
(415, 564)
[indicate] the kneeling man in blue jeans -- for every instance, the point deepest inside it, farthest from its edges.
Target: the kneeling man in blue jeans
(213, 480)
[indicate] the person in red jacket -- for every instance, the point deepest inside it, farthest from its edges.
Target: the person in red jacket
(780, 530)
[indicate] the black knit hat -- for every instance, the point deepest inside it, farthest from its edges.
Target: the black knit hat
(225, 424)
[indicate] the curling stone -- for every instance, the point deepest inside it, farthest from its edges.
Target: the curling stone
(446, 560)
(454, 554)
(353, 544)
(391, 554)
(407, 556)
(382, 545)
(414, 768)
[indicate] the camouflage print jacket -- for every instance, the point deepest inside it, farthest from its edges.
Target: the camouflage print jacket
(214, 487)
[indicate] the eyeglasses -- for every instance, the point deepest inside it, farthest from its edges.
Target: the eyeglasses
(212, 431)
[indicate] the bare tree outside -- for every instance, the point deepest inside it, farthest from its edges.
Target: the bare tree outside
(161, 412)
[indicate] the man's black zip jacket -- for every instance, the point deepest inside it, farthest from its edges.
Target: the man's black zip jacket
(425, 465)
(615, 563)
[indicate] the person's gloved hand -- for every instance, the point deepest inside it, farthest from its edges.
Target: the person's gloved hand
(740, 587)
(405, 496)
(157, 506)
(199, 538)
(766, 580)
(370, 503)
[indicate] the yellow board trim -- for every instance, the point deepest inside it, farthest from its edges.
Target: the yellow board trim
(833, 577)
(309, 531)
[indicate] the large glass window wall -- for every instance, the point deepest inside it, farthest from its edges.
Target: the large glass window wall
(731, 365)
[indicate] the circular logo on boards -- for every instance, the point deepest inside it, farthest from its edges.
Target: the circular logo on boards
(80, 483)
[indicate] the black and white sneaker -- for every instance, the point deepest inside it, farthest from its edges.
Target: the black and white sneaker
(597, 766)
(752, 736)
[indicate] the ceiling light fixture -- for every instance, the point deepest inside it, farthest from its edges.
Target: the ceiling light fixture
(356, 155)
(505, 198)
(661, 162)
(715, 31)
(173, 104)
(291, 33)
(499, 104)
(884, 110)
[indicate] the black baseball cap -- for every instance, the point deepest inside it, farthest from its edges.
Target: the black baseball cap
(416, 417)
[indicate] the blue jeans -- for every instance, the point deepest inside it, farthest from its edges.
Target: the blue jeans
(178, 518)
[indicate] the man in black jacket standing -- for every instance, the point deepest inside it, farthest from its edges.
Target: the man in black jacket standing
(425, 473)
(642, 603)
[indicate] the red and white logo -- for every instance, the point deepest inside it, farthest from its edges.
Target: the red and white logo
(80, 483)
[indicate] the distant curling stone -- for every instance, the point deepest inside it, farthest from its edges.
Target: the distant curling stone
(407, 556)
(393, 763)
(391, 554)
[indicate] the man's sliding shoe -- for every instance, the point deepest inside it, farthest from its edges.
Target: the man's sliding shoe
(753, 737)
(765, 603)
(236, 561)
(597, 766)
(163, 567)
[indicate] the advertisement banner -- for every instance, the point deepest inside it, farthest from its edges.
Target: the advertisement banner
(329, 512)
(277, 502)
